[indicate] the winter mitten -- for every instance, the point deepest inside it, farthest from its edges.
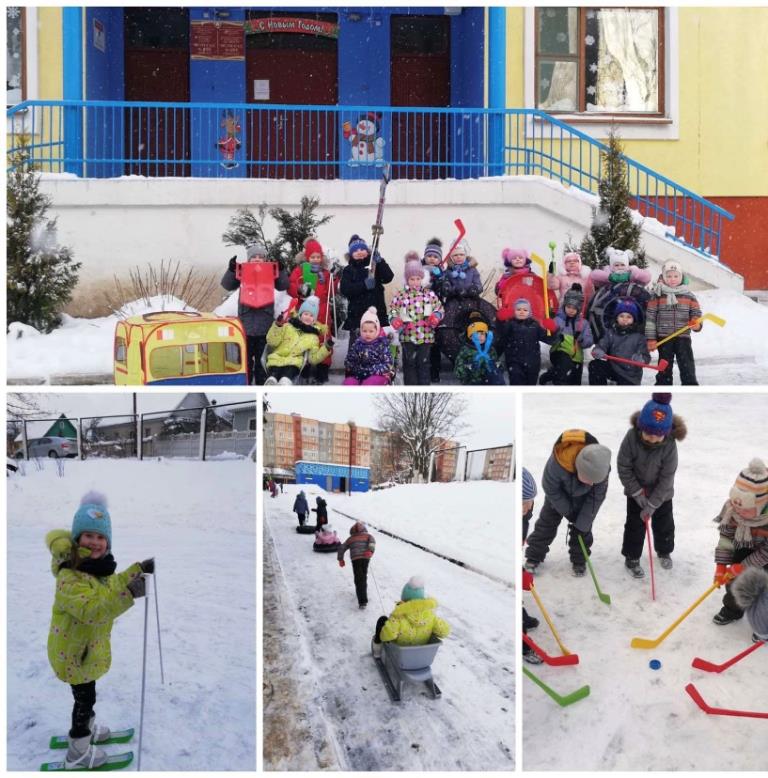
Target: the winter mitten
(137, 587)
(148, 566)
(342, 563)
(736, 569)
(397, 323)
(433, 320)
(598, 353)
(435, 270)
(368, 554)
(305, 290)
(549, 324)
(722, 575)
(370, 283)
(695, 324)
(376, 257)
(232, 263)
(527, 580)
(641, 500)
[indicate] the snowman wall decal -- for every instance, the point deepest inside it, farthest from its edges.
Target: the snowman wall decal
(365, 139)
(230, 143)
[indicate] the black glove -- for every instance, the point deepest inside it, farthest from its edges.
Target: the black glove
(232, 263)
(370, 282)
(137, 587)
(329, 342)
(148, 566)
(305, 290)
(641, 500)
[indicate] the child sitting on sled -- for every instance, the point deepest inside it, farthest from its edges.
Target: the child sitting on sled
(89, 597)
(624, 340)
(326, 539)
(369, 359)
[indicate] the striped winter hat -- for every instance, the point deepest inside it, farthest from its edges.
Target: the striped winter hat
(751, 487)
(529, 485)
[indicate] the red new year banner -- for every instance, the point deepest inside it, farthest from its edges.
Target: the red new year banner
(293, 24)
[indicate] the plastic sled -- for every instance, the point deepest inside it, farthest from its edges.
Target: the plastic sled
(325, 548)
(307, 529)
(400, 665)
(530, 287)
(257, 282)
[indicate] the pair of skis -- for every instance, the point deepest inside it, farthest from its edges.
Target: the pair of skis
(114, 761)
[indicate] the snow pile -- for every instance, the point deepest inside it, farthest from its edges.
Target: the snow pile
(198, 520)
(637, 717)
(157, 303)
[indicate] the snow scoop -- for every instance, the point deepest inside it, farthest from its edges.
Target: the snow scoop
(548, 620)
(661, 367)
(560, 699)
(647, 522)
(708, 316)
(556, 661)
(377, 229)
(543, 265)
(650, 643)
(462, 232)
(711, 667)
(606, 598)
(699, 700)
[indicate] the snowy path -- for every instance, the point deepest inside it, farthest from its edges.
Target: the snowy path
(472, 726)
(636, 718)
(198, 520)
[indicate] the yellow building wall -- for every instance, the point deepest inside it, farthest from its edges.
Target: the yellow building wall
(50, 59)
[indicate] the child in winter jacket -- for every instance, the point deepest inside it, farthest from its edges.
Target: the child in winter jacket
(433, 264)
(477, 363)
(571, 272)
(301, 507)
(575, 483)
(255, 321)
(461, 278)
(369, 360)
(89, 597)
(620, 270)
(743, 544)
(647, 463)
(750, 590)
(518, 340)
(322, 513)
(415, 312)
(671, 307)
(624, 340)
(294, 339)
(573, 335)
(413, 622)
(362, 288)
(361, 545)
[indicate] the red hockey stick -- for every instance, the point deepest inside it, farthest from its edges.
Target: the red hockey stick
(711, 667)
(462, 232)
(568, 659)
(660, 367)
(699, 700)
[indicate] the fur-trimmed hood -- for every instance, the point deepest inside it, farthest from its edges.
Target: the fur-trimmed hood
(679, 429)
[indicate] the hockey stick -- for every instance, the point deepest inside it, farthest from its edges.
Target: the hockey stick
(711, 667)
(699, 700)
(548, 620)
(606, 598)
(708, 316)
(661, 367)
(377, 229)
(648, 643)
(462, 232)
(650, 556)
(560, 699)
(557, 661)
(543, 265)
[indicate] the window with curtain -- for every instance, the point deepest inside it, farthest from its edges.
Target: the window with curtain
(15, 79)
(600, 60)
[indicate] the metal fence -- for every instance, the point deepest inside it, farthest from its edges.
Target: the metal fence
(447, 464)
(102, 139)
(490, 464)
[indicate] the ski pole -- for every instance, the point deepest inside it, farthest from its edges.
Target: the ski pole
(650, 556)
(661, 367)
(157, 614)
(548, 620)
(606, 598)
(143, 679)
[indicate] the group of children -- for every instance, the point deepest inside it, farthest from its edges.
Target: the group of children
(575, 483)
(612, 311)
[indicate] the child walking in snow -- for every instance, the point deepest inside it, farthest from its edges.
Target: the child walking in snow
(361, 545)
(743, 544)
(89, 597)
(301, 507)
(622, 339)
(415, 312)
(369, 360)
(671, 307)
(575, 483)
(647, 463)
(477, 363)
(573, 335)
(518, 340)
(529, 622)
(413, 622)
(256, 321)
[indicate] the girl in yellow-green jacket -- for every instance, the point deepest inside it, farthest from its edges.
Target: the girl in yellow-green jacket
(413, 621)
(89, 597)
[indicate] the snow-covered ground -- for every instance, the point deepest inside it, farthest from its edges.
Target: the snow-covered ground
(636, 718)
(318, 645)
(198, 520)
(735, 354)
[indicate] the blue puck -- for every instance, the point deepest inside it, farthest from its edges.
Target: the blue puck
(654, 664)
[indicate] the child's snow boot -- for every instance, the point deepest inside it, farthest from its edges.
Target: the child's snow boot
(531, 657)
(665, 560)
(285, 381)
(725, 616)
(375, 649)
(271, 381)
(579, 570)
(83, 755)
(633, 565)
(529, 622)
(531, 565)
(99, 733)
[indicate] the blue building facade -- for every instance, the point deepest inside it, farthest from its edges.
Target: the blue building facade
(333, 478)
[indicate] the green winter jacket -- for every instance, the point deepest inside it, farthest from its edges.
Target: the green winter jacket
(83, 611)
(413, 623)
(288, 344)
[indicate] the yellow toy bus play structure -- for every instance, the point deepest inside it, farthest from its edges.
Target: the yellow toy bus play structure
(179, 347)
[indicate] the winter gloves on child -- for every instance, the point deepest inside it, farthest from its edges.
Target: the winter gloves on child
(341, 561)
(724, 574)
(369, 282)
(148, 566)
(138, 587)
(232, 263)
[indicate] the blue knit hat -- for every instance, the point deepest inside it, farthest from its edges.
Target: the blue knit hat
(413, 590)
(627, 306)
(523, 301)
(310, 305)
(529, 486)
(92, 516)
(656, 416)
(356, 243)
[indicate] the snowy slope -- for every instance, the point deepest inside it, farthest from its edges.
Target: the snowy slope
(637, 718)
(198, 520)
(472, 726)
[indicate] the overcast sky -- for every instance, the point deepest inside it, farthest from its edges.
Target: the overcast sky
(490, 416)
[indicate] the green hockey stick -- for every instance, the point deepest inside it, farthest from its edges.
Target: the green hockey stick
(606, 598)
(560, 699)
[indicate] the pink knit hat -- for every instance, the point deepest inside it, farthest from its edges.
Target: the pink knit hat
(507, 254)
(413, 267)
(371, 316)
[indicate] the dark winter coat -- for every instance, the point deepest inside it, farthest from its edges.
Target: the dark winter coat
(365, 359)
(453, 285)
(300, 504)
(321, 511)
(518, 341)
(578, 502)
(255, 321)
(361, 298)
(627, 343)
(650, 467)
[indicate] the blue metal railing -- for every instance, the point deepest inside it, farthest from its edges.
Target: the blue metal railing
(100, 139)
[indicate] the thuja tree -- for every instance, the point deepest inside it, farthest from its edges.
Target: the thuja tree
(612, 223)
(40, 275)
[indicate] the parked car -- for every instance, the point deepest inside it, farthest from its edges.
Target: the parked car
(53, 447)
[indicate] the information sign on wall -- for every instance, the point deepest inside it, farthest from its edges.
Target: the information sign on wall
(217, 40)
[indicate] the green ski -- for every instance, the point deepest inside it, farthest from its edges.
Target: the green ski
(118, 736)
(560, 699)
(114, 762)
